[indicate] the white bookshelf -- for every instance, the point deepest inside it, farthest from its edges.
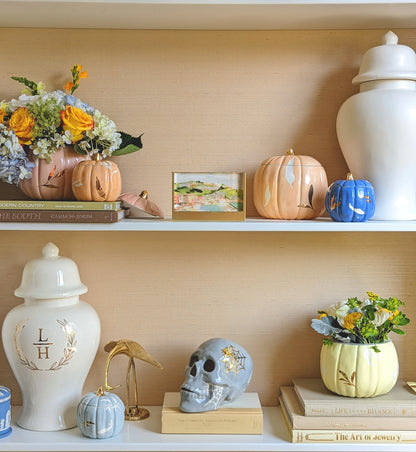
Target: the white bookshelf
(208, 14)
(145, 436)
(250, 225)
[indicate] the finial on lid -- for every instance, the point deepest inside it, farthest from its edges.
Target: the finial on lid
(50, 250)
(390, 38)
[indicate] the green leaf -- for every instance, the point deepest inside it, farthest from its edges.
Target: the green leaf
(376, 349)
(78, 150)
(327, 341)
(129, 144)
(371, 315)
(398, 331)
(33, 86)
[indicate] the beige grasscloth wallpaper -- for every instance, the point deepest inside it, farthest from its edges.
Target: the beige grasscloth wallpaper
(210, 101)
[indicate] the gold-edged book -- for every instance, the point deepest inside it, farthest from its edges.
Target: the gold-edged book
(300, 421)
(244, 416)
(316, 400)
(305, 435)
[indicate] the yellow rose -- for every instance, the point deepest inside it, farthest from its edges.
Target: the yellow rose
(76, 121)
(22, 123)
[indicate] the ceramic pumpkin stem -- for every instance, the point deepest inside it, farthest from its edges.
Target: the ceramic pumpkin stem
(100, 392)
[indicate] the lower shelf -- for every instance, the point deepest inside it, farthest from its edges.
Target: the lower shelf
(145, 436)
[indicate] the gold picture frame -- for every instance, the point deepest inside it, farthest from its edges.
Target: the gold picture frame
(206, 196)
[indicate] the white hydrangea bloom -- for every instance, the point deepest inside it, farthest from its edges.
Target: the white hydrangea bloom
(339, 311)
(104, 135)
(381, 315)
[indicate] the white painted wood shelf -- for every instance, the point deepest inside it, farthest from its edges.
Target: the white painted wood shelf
(146, 436)
(250, 225)
(208, 14)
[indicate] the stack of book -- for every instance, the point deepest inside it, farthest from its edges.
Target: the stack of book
(33, 211)
(314, 414)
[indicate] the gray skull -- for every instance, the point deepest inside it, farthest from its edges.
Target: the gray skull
(218, 372)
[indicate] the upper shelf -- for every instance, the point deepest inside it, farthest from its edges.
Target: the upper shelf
(208, 14)
(250, 225)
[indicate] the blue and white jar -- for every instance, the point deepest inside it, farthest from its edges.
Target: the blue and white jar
(5, 413)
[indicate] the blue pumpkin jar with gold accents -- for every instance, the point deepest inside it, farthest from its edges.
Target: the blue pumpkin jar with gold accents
(350, 200)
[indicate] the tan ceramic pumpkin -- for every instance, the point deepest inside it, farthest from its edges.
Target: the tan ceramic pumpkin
(358, 370)
(52, 180)
(290, 187)
(96, 180)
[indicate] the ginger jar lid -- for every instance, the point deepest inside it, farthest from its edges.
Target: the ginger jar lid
(389, 61)
(50, 276)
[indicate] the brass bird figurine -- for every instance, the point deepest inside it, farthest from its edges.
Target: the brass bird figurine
(132, 350)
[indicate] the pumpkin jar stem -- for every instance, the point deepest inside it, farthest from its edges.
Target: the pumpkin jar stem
(100, 392)
(97, 157)
(349, 176)
(290, 152)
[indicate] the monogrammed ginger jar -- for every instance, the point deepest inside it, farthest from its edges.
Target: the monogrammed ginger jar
(50, 341)
(376, 128)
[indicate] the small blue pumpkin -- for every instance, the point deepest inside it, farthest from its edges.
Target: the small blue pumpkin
(350, 200)
(100, 415)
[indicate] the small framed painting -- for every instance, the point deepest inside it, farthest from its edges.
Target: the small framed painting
(209, 196)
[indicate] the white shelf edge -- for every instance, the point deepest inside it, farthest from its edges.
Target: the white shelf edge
(208, 14)
(145, 436)
(250, 225)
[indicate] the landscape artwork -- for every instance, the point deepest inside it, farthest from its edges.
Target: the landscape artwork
(209, 196)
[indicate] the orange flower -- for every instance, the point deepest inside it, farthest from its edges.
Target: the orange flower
(68, 86)
(76, 121)
(2, 115)
(22, 123)
(77, 75)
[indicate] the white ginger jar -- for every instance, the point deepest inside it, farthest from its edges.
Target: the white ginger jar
(50, 341)
(376, 128)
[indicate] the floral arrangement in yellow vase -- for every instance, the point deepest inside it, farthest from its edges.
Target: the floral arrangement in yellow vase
(39, 122)
(367, 321)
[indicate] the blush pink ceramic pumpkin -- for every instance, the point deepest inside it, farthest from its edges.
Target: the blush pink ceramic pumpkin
(290, 187)
(52, 180)
(96, 180)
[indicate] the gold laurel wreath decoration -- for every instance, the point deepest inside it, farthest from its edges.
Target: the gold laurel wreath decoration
(68, 353)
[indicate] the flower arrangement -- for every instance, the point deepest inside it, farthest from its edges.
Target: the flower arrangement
(367, 321)
(39, 122)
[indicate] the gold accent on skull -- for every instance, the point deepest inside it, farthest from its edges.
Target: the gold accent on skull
(232, 358)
